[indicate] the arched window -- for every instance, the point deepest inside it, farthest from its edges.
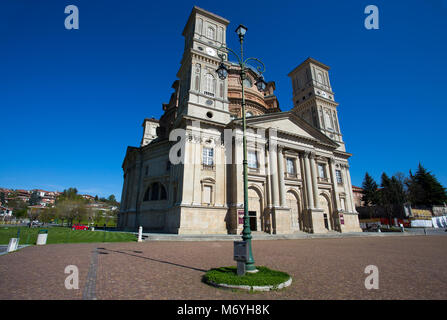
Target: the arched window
(146, 194)
(221, 89)
(210, 33)
(155, 190)
(328, 120)
(163, 194)
(197, 83)
(210, 85)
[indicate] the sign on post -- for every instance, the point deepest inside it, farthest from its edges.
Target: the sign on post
(241, 256)
(240, 216)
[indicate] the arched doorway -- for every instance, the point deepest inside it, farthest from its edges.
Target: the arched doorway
(255, 209)
(325, 205)
(294, 205)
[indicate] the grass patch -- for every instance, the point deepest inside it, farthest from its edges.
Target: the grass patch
(392, 229)
(63, 235)
(228, 275)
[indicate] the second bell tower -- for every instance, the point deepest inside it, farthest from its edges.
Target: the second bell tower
(313, 98)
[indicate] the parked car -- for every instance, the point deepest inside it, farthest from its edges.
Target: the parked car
(34, 224)
(79, 227)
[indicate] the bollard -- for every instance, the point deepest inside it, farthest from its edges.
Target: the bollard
(140, 234)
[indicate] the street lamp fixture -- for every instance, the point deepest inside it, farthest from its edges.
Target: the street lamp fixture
(241, 30)
(222, 72)
(261, 84)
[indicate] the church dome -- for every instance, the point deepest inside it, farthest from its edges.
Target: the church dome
(257, 103)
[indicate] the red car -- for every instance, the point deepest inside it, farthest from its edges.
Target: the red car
(79, 227)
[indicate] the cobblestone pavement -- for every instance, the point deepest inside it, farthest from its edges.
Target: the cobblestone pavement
(411, 267)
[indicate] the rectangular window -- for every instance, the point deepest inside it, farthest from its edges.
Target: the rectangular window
(208, 156)
(207, 191)
(343, 204)
(252, 159)
(290, 166)
(322, 171)
(338, 175)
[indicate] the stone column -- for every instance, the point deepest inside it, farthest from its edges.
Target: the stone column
(269, 180)
(337, 205)
(197, 165)
(308, 181)
(282, 185)
(219, 197)
(134, 188)
(124, 192)
(313, 167)
(297, 165)
(273, 164)
(188, 172)
(351, 196)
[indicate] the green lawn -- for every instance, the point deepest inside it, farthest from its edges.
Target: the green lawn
(63, 235)
(228, 275)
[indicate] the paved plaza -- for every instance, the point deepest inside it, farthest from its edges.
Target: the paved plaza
(410, 267)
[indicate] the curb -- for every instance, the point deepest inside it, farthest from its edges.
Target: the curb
(252, 288)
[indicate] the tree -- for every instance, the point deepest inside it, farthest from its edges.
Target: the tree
(69, 194)
(71, 210)
(111, 215)
(19, 207)
(94, 216)
(112, 200)
(370, 191)
(34, 199)
(424, 189)
(33, 213)
(47, 214)
(3, 198)
(392, 196)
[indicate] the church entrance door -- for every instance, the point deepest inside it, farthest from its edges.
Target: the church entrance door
(293, 204)
(255, 209)
(326, 211)
(252, 216)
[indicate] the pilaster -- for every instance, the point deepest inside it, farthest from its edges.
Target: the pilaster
(282, 186)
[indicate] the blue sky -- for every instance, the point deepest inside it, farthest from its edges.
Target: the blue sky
(71, 101)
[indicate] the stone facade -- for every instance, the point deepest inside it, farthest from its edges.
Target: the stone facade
(187, 175)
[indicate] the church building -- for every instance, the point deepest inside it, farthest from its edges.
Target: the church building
(298, 171)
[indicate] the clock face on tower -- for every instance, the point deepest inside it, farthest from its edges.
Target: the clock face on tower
(210, 51)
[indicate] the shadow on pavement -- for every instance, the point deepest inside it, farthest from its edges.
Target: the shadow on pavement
(151, 259)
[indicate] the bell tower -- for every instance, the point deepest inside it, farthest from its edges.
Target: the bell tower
(313, 98)
(202, 94)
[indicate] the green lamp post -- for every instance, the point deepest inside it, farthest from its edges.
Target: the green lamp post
(222, 72)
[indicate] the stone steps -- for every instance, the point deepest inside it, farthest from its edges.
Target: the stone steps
(265, 236)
